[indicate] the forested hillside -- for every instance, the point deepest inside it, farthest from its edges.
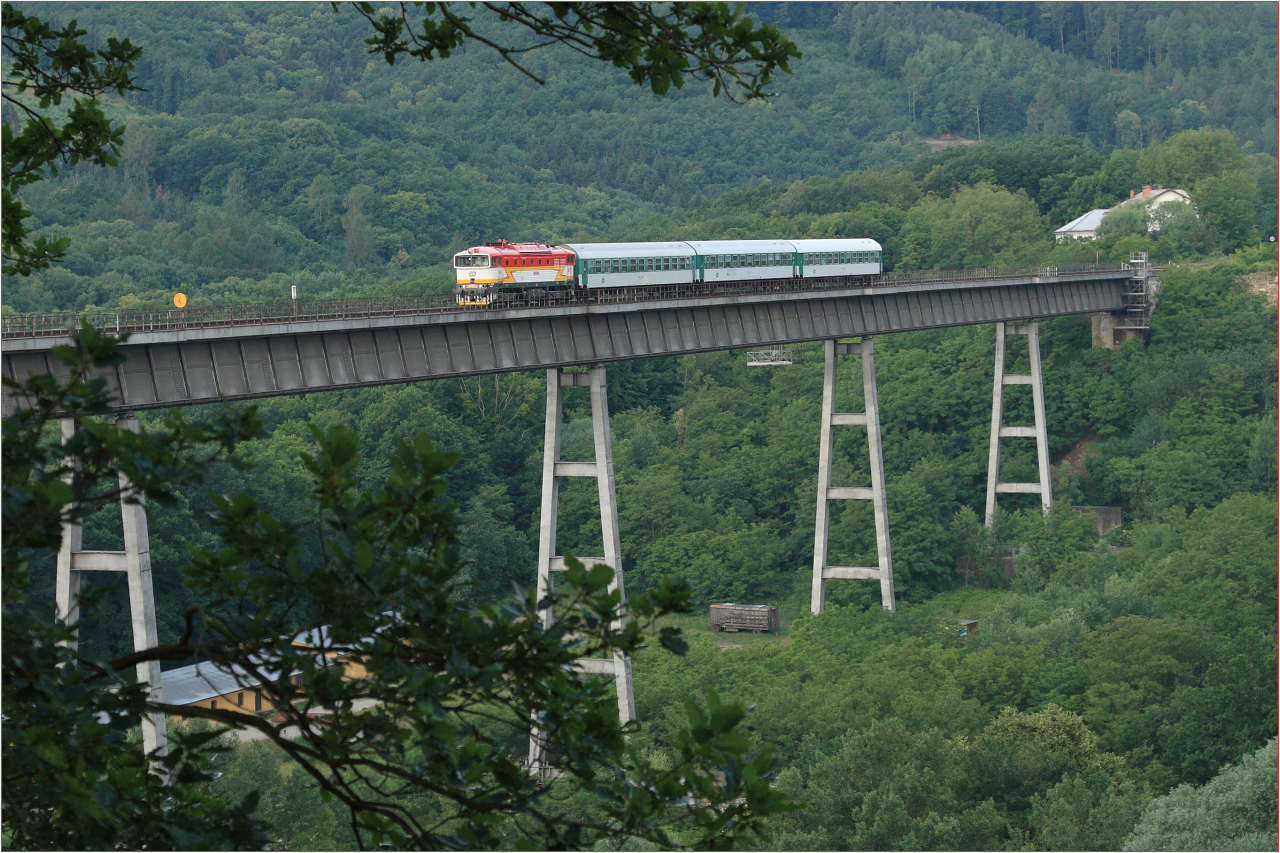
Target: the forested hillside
(269, 150)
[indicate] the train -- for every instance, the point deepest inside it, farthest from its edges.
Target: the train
(496, 272)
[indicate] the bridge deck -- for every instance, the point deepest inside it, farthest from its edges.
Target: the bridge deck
(243, 352)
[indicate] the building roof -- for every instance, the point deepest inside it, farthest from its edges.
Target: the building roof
(1087, 223)
(1160, 194)
(201, 681)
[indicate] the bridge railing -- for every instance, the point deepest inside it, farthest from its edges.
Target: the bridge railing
(57, 323)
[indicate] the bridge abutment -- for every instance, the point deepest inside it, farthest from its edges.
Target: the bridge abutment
(553, 469)
(883, 571)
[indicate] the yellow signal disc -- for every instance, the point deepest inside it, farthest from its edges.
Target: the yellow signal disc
(180, 300)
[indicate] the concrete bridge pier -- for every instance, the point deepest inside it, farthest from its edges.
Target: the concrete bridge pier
(883, 571)
(553, 469)
(1043, 488)
(135, 562)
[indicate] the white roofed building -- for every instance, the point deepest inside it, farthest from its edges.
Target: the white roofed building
(1082, 227)
(1086, 227)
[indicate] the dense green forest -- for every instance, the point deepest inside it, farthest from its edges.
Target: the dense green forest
(269, 150)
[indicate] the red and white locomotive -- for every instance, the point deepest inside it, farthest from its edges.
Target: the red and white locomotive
(485, 272)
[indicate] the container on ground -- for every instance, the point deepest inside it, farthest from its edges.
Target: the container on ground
(744, 617)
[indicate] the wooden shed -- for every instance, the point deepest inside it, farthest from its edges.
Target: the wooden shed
(744, 617)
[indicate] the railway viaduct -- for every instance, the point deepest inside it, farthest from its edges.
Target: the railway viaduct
(186, 357)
